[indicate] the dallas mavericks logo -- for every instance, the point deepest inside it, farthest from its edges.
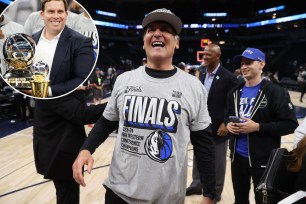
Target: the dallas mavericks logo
(158, 146)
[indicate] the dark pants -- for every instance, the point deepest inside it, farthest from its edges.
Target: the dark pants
(241, 178)
(220, 168)
(67, 192)
(112, 198)
(31, 110)
(20, 106)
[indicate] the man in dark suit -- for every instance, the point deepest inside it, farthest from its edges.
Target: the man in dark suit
(69, 54)
(217, 81)
(59, 132)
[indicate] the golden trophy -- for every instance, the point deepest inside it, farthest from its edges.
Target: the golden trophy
(18, 52)
(39, 82)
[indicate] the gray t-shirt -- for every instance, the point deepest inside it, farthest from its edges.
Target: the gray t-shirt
(87, 27)
(155, 117)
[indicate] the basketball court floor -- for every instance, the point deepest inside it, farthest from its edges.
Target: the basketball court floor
(20, 184)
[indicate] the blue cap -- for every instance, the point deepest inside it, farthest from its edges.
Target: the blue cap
(252, 54)
(97, 69)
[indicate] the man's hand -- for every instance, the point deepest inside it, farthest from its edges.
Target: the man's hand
(233, 128)
(84, 158)
(248, 126)
(222, 131)
(82, 88)
(207, 200)
(27, 91)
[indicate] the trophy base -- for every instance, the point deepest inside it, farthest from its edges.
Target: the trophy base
(40, 89)
(19, 79)
(20, 83)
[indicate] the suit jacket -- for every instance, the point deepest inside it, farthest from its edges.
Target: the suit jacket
(59, 133)
(222, 83)
(73, 61)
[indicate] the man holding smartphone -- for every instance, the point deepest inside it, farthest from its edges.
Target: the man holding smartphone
(268, 114)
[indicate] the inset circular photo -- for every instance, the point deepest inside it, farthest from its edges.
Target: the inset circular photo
(49, 50)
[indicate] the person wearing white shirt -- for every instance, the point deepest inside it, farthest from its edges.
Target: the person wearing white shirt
(69, 54)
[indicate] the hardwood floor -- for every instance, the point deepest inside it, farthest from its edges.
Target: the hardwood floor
(19, 182)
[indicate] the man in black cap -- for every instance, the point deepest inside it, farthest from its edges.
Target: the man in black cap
(157, 118)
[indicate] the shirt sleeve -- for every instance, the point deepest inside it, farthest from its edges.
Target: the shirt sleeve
(204, 151)
(99, 133)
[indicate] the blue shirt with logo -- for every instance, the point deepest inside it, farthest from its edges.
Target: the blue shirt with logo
(247, 102)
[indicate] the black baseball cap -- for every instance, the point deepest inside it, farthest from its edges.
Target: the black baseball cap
(164, 15)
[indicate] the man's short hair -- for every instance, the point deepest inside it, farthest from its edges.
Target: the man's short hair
(46, 1)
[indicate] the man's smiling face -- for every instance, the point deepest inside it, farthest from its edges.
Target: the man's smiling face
(54, 16)
(160, 41)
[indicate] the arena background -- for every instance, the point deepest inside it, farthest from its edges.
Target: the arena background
(283, 42)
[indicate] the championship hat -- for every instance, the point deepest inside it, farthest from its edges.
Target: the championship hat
(164, 15)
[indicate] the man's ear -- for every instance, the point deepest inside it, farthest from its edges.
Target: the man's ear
(262, 64)
(177, 44)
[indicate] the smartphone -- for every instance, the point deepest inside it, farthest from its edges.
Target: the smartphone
(235, 119)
